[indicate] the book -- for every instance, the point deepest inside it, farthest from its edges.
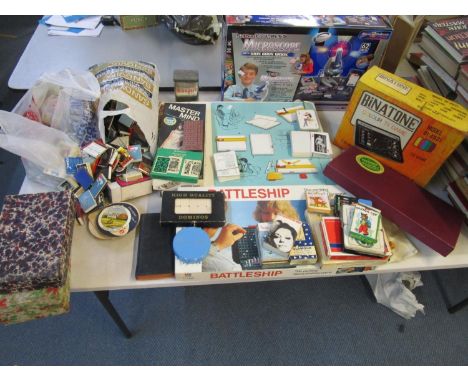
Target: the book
(452, 35)
(247, 208)
(439, 71)
(438, 54)
(426, 79)
(155, 257)
(462, 78)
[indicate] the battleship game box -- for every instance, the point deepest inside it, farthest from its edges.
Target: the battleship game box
(309, 58)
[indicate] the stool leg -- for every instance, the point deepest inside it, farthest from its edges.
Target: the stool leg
(457, 307)
(103, 297)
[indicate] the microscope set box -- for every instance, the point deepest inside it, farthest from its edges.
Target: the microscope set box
(311, 58)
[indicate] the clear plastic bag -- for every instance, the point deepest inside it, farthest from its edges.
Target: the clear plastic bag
(394, 291)
(67, 101)
(42, 148)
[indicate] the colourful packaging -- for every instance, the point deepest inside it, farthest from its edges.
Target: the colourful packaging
(403, 125)
(303, 57)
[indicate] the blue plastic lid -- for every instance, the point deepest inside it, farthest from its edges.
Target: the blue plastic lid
(191, 245)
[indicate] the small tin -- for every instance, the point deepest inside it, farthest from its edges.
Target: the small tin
(186, 85)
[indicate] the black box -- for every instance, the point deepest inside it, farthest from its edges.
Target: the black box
(193, 208)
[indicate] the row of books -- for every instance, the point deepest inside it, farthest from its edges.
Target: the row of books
(444, 58)
(444, 70)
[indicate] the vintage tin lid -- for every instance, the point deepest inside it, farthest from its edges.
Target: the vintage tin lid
(186, 75)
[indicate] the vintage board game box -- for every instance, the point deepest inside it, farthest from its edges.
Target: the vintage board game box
(241, 260)
(415, 210)
(35, 240)
(180, 142)
(312, 58)
(403, 125)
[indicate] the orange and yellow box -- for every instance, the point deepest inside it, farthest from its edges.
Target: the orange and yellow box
(403, 125)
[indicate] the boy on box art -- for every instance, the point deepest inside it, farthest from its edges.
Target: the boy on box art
(245, 90)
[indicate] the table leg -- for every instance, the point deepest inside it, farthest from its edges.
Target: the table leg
(457, 307)
(103, 297)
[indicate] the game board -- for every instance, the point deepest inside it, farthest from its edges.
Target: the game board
(230, 118)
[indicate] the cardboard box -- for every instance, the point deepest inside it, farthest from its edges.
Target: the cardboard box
(340, 49)
(403, 125)
(412, 208)
(35, 240)
(21, 306)
(118, 193)
(130, 22)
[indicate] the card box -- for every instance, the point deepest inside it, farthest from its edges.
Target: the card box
(261, 144)
(295, 166)
(415, 210)
(177, 165)
(35, 240)
(231, 142)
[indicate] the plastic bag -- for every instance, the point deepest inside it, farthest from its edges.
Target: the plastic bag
(401, 246)
(67, 101)
(394, 291)
(42, 148)
(194, 29)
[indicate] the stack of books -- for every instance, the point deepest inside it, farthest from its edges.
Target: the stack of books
(455, 174)
(444, 68)
(353, 238)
